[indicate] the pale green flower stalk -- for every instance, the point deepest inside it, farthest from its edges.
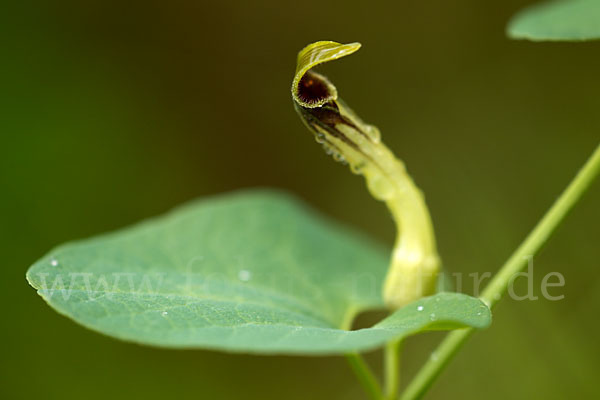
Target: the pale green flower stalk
(415, 263)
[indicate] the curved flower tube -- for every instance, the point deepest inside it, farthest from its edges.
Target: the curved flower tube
(415, 263)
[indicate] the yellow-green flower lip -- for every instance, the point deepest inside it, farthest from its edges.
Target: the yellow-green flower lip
(312, 93)
(415, 264)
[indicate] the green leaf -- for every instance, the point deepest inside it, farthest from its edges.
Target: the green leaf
(557, 20)
(253, 271)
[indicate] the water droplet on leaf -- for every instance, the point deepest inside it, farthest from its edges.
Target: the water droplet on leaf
(339, 158)
(420, 308)
(373, 133)
(244, 275)
(357, 168)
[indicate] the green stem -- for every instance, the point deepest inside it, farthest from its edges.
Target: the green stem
(365, 376)
(496, 288)
(392, 368)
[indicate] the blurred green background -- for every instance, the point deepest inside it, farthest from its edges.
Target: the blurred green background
(116, 111)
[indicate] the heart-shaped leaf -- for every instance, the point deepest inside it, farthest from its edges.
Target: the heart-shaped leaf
(558, 20)
(254, 272)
